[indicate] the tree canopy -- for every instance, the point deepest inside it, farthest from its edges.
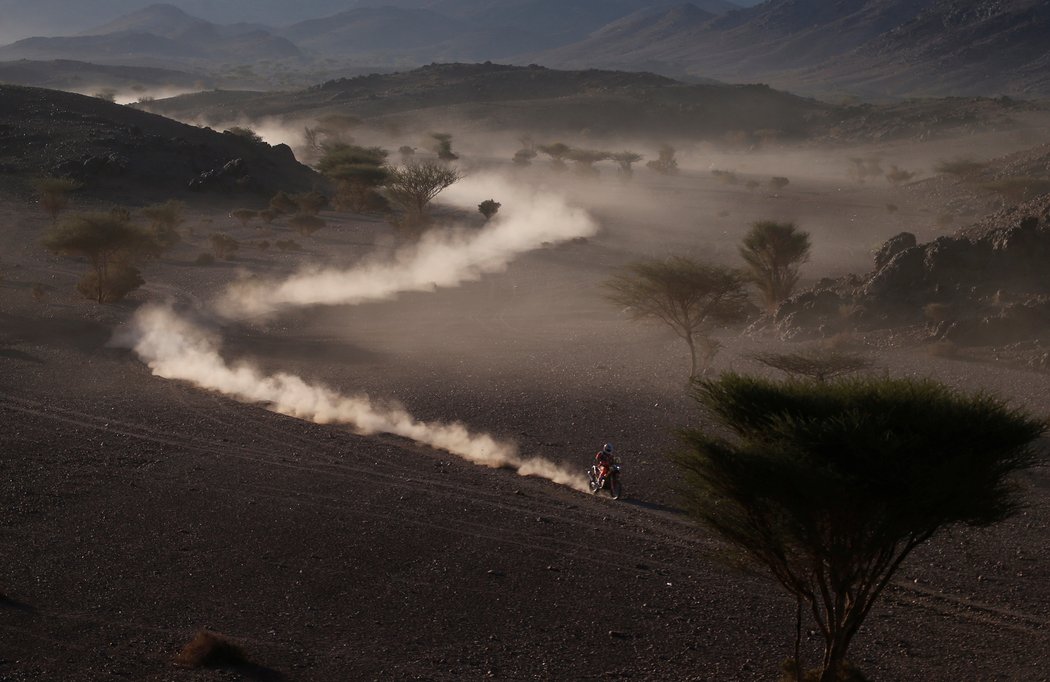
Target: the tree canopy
(774, 252)
(829, 487)
(690, 297)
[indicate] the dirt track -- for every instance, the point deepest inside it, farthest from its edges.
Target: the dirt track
(137, 510)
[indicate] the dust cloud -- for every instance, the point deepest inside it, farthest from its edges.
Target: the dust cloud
(442, 258)
(175, 348)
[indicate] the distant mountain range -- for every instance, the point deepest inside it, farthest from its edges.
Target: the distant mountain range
(875, 47)
(867, 47)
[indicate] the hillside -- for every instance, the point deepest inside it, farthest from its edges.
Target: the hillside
(87, 78)
(120, 152)
(881, 47)
(500, 97)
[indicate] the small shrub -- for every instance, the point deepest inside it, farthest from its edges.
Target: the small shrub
(524, 157)
(224, 246)
(288, 245)
(204, 258)
(121, 279)
(489, 208)
(666, 163)
(244, 215)
(779, 182)
(54, 194)
(246, 133)
(892, 208)
(210, 650)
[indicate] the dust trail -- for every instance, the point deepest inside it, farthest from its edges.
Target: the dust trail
(443, 258)
(175, 348)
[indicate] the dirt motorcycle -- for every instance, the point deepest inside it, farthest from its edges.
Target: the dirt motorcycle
(611, 482)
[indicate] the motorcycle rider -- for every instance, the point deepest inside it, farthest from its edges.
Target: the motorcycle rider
(604, 462)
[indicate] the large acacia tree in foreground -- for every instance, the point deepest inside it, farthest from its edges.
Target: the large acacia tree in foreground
(829, 487)
(690, 297)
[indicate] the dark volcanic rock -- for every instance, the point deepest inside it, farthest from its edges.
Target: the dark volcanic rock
(985, 286)
(893, 246)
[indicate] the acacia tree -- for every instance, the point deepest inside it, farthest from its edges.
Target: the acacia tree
(829, 487)
(691, 298)
(626, 161)
(489, 208)
(413, 187)
(773, 253)
(665, 163)
(112, 244)
(357, 172)
(443, 146)
(586, 158)
(557, 151)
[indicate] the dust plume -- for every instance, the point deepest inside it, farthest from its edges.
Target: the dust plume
(175, 348)
(442, 258)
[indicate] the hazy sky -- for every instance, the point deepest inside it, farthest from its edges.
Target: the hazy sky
(24, 18)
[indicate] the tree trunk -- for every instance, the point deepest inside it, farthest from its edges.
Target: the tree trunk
(834, 656)
(798, 638)
(692, 355)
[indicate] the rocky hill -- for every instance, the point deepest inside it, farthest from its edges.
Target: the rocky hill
(500, 97)
(117, 151)
(63, 74)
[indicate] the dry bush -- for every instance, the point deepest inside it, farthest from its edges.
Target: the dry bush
(779, 182)
(210, 650)
(892, 208)
(53, 193)
(725, 177)
(120, 280)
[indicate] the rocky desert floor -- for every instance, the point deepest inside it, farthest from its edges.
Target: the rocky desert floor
(135, 510)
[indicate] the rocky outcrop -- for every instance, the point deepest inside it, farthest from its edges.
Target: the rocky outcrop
(984, 287)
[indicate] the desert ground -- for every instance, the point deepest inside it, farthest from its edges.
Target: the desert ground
(137, 510)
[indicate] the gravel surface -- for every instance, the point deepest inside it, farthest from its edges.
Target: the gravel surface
(136, 510)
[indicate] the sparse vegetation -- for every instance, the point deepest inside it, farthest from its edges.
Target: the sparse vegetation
(310, 203)
(413, 187)
(489, 208)
(245, 133)
(725, 177)
(443, 146)
(626, 161)
(779, 182)
(585, 160)
(665, 163)
(282, 203)
(53, 194)
(557, 151)
(288, 245)
(244, 215)
(112, 244)
(690, 297)
(830, 487)
(524, 157)
(358, 172)
(224, 246)
(773, 253)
